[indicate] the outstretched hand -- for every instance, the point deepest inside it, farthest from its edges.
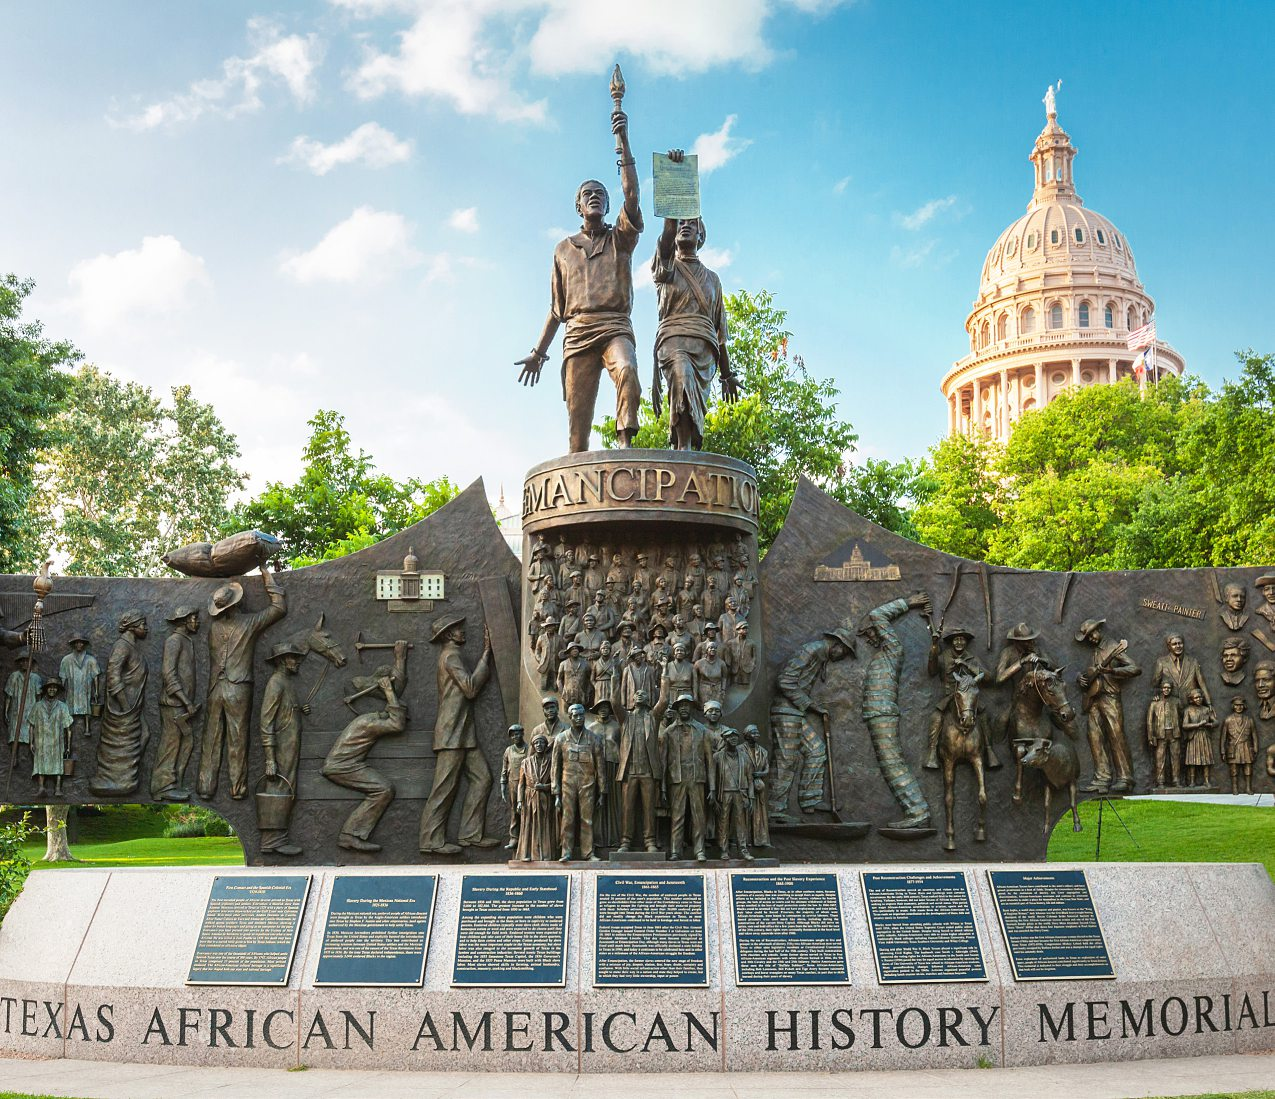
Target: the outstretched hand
(531, 365)
(676, 156)
(730, 388)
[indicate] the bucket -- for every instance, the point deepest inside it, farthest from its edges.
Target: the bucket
(68, 767)
(274, 809)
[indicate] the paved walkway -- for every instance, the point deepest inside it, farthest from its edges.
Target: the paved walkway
(1264, 801)
(1117, 1080)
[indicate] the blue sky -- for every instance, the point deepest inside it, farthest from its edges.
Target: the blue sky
(353, 204)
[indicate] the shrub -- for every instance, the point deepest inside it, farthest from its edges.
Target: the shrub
(14, 865)
(195, 820)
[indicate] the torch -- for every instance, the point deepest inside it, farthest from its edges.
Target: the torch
(617, 97)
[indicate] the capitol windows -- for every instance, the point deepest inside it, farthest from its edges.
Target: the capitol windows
(985, 334)
(1027, 322)
(1131, 320)
(1011, 247)
(1059, 378)
(1101, 238)
(1109, 314)
(1084, 313)
(1080, 236)
(1056, 315)
(1002, 326)
(1031, 242)
(1116, 237)
(1053, 236)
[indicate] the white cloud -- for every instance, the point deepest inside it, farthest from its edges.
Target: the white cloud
(464, 221)
(925, 213)
(671, 37)
(371, 145)
(155, 278)
(365, 247)
(716, 258)
(291, 60)
(909, 258)
(467, 52)
(556, 233)
(839, 188)
(716, 149)
(447, 54)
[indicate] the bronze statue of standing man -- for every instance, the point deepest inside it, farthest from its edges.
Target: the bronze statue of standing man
(592, 294)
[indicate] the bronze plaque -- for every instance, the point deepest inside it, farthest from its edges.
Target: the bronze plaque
(621, 485)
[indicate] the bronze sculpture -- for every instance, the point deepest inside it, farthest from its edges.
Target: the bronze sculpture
(177, 707)
(346, 763)
(1198, 721)
(82, 681)
(20, 692)
(510, 768)
(1239, 744)
(124, 732)
(1102, 683)
(1164, 734)
(1266, 585)
(950, 651)
(798, 745)
(639, 771)
(606, 728)
(962, 739)
(1180, 669)
(688, 771)
(538, 825)
(280, 725)
(579, 783)
(456, 751)
(51, 724)
(761, 792)
(1232, 613)
(690, 343)
(1234, 655)
(734, 775)
(232, 637)
(591, 293)
(1264, 688)
(881, 708)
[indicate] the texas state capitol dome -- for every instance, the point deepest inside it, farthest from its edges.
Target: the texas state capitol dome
(1058, 298)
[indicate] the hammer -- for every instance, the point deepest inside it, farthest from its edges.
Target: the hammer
(360, 644)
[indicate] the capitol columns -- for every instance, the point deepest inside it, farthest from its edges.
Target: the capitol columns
(1075, 373)
(1004, 402)
(1112, 370)
(976, 406)
(952, 416)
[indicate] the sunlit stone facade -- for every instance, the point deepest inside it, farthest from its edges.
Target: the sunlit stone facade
(1058, 298)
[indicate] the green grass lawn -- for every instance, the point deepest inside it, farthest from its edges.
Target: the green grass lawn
(1169, 831)
(133, 835)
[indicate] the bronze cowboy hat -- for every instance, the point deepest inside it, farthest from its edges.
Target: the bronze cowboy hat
(285, 648)
(1265, 581)
(843, 634)
(225, 597)
(79, 635)
(179, 615)
(443, 623)
(958, 631)
(1087, 627)
(1022, 632)
(52, 681)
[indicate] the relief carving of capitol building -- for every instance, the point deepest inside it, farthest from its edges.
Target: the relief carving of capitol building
(1058, 298)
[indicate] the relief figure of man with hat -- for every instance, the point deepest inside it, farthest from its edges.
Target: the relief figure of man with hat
(124, 731)
(81, 677)
(177, 707)
(456, 751)
(1021, 653)
(1102, 683)
(795, 723)
(280, 723)
(688, 769)
(232, 637)
(18, 703)
(591, 292)
(949, 652)
(1266, 585)
(579, 783)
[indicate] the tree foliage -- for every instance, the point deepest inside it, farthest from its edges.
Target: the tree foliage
(32, 388)
(1111, 477)
(786, 424)
(340, 504)
(126, 477)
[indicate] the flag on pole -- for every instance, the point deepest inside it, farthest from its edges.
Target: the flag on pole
(1140, 366)
(1142, 337)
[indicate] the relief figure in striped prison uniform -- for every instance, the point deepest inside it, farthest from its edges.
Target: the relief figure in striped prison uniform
(881, 706)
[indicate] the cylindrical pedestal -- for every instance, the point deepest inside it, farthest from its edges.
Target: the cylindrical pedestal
(644, 537)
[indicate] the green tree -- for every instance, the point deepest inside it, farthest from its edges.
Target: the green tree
(958, 496)
(126, 477)
(785, 424)
(340, 504)
(32, 388)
